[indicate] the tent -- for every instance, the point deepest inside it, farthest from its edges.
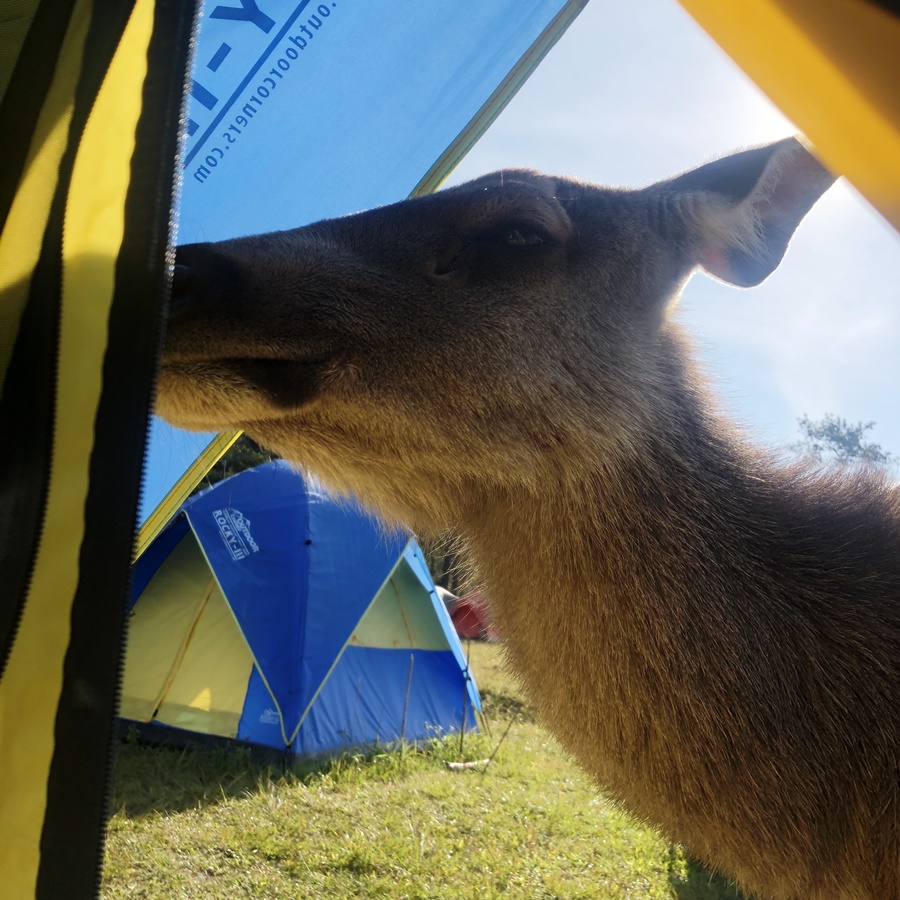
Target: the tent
(270, 614)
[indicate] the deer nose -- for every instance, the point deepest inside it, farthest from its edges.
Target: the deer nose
(204, 272)
(185, 281)
(196, 268)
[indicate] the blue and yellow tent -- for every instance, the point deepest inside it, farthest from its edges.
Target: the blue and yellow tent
(271, 615)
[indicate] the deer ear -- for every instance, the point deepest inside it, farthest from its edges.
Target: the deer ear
(745, 208)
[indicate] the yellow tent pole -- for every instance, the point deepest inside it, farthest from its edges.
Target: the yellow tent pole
(495, 104)
(170, 504)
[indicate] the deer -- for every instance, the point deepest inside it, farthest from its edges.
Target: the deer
(718, 644)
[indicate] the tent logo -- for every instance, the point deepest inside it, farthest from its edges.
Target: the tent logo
(269, 717)
(235, 532)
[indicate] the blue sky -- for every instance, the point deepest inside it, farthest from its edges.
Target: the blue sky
(636, 92)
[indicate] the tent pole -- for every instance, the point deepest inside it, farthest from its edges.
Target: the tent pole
(406, 701)
(462, 728)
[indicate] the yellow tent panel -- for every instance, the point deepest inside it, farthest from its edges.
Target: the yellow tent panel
(187, 663)
(398, 619)
(833, 66)
(210, 688)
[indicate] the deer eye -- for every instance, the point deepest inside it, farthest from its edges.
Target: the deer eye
(522, 236)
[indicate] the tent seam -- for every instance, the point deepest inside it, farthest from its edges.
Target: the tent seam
(256, 664)
(343, 650)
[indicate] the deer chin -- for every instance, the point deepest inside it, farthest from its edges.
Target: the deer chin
(212, 395)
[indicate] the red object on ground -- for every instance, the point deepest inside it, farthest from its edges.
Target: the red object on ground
(469, 615)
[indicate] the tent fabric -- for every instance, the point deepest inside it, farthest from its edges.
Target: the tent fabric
(470, 617)
(182, 640)
(89, 118)
(274, 615)
(184, 485)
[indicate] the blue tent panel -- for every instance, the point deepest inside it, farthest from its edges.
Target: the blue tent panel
(354, 557)
(302, 123)
(419, 566)
(260, 724)
(282, 554)
(255, 559)
(356, 710)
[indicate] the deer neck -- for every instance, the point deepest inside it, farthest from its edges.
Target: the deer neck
(625, 573)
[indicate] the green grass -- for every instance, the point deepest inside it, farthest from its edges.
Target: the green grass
(202, 824)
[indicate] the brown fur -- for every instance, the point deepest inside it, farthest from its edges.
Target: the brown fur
(717, 641)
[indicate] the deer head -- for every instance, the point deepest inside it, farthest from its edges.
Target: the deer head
(474, 334)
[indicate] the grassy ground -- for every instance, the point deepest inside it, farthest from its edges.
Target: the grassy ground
(394, 825)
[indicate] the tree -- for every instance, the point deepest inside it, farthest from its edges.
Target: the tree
(834, 438)
(244, 453)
